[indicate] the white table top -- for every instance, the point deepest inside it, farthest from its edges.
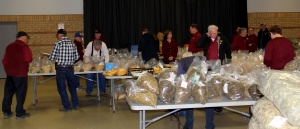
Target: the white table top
(46, 74)
(119, 77)
(190, 104)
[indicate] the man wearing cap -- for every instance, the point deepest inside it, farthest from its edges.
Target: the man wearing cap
(98, 34)
(65, 54)
(16, 61)
(78, 43)
(263, 36)
(96, 49)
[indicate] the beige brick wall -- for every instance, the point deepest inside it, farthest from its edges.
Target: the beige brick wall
(42, 28)
(288, 21)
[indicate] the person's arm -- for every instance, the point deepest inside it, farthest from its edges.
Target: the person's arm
(55, 51)
(201, 41)
(88, 50)
(27, 54)
(75, 53)
(105, 53)
(268, 55)
(4, 60)
(192, 47)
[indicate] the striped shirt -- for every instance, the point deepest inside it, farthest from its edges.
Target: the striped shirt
(64, 52)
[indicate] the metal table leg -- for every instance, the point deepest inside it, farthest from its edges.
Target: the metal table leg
(112, 95)
(34, 96)
(98, 88)
(144, 119)
(141, 120)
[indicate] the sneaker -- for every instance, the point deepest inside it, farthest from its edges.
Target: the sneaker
(64, 110)
(25, 115)
(218, 109)
(103, 94)
(79, 88)
(7, 115)
(77, 108)
(88, 95)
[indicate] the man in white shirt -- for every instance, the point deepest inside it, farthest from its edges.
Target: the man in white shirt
(96, 49)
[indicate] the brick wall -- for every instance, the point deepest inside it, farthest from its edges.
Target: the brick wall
(42, 28)
(289, 22)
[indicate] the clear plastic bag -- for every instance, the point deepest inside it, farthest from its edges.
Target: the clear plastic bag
(199, 92)
(46, 65)
(35, 65)
(77, 66)
(147, 81)
(233, 89)
(194, 70)
(292, 65)
(140, 95)
(166, 74)
(166, 91)
(182, 91)
(214, 85)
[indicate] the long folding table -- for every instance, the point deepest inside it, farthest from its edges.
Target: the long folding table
(53, 75)
(143, 123)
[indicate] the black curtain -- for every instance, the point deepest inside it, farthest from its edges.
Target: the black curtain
(121, 21)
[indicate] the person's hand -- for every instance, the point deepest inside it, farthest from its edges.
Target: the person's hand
(171, 58)
(250, 44)
(208, 35)
(83, 50)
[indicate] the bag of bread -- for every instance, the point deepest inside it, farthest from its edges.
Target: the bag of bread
(77, 66)
(194, 70)
(182, 90)
(165, 74)
(233, 89)
(199, 92)
(167, 88)
(46, 65)
(147, 81)
(35, 65)
(122, 67)
(99, 63)
(87, 66)
(158, 67)
(140, 95)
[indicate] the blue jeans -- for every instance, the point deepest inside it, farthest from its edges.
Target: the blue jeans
(209, 114)
(63, 74)
(90, 83)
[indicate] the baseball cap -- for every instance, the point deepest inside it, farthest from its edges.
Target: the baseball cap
(77, 34)
(97, 31)
(61, 31)
(22, 33)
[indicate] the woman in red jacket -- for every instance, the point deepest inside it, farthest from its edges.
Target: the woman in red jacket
(169, 48)
(279, 51)
(239, 41)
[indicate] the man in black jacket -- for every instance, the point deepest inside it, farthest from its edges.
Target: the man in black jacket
(216, 46)
(148, 48)
(263, 36)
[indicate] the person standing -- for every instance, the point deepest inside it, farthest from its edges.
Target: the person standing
(148, 48)
(169, 47)
(98, 35)
(99, 50)
(251, 40)
(263, 36)
(78, 43)
(16, 61)
(194, 39)
(279, 50)
(239, 41)
(65, 54)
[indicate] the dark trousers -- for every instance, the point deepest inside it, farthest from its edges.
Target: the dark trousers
(63, 74)
(14, 85)
(209, 115)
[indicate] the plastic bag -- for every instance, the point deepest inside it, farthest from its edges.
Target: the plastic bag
(158, 67)
(214, 84)
(199, 92)
(292, 65)
(147, 81)
(215, 65)
(140, 95)
(283, 90)
(46, 65)
(77, 66)
(167, 87)
(53, 70)
(166, 74)
(87, 59)
(194, 70)
(233, 89)
(35, 65)
(87, 66)
(182, 91)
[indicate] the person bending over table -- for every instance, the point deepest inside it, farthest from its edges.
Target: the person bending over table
(65, 53)
(97, 49)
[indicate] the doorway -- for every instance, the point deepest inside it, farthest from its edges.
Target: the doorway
(8, 31)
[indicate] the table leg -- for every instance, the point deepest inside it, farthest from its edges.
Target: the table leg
(112, 92)
(144, 119)
(98, 88)
(111, 95)
(141, 119)
(34, 96)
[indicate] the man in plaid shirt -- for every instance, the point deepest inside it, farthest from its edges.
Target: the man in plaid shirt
(65, 54)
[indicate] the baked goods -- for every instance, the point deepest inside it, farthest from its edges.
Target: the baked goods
(147, 81)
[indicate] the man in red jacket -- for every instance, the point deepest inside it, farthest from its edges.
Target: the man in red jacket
(194, 39)
(16, 62)
(239, 41)
(279, 51)
(251, 40)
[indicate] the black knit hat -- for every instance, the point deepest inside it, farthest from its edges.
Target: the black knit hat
(22, 33)
(61, 31)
